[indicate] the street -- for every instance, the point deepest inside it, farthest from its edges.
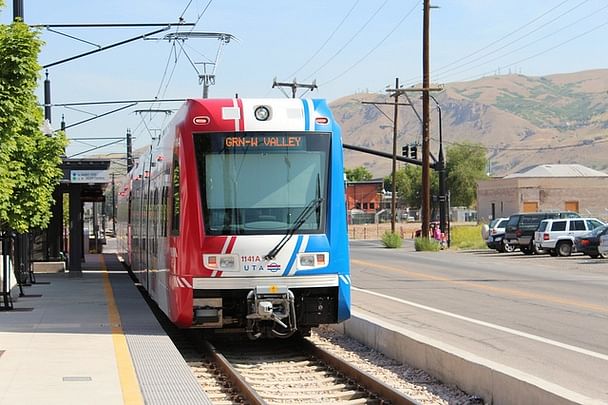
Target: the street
(545, 316)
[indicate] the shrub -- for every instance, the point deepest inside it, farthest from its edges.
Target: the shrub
(426, 244)
(467, 237)
(391, 240)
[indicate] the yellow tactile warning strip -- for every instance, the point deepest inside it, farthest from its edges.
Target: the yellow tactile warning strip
(131, 393)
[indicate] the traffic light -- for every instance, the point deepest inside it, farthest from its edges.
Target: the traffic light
(414, 152)
(405, 150)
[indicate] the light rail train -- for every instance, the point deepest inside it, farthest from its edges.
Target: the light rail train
(236, 220)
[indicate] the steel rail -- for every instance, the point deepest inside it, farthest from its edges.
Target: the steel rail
(250, 394)
(368, 382)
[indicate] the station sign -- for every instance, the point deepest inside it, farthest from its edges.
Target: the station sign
(89, 176)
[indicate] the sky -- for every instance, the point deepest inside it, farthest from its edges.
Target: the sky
(344, 46)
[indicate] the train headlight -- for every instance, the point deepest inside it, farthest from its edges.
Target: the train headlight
(312, 260)
(226, 262)
(307, 260)
(262, 113)
(221, 262)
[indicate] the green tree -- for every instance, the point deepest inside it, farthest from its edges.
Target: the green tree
(466, 163)
(29, 159)
(359, 173)
(409, 184)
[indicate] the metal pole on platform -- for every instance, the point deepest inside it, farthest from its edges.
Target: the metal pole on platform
(113, 205)
(17, 10)
(7, 301)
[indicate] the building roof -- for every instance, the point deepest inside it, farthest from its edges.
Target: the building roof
(573, 170)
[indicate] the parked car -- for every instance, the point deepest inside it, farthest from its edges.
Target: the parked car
(557, 235)
(602, 248)
(521, 227)
(495, 238)
(588, 243)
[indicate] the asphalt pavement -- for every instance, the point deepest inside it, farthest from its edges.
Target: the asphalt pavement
(545, 316)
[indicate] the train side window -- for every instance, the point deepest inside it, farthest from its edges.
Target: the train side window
(175, 205)
(155, 222)
(164, 212)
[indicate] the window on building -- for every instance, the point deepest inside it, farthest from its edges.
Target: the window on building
(364, 206)
(372, 206)
(358, 205)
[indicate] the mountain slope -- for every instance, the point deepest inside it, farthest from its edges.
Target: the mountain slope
(523, 121)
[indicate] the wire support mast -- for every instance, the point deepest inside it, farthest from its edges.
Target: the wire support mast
(206, 78)
(294, 87)
(103, 48)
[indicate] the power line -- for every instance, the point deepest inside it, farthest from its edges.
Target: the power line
(327, 40)
(445, 71)
(532, 149)
(501, 38)
(592, 14)
(391, 32)
(369, 20)
(549, 49)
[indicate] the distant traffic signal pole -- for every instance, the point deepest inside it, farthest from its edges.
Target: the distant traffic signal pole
(396, 92)
(440, 167)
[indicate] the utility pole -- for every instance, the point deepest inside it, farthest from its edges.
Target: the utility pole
(394, 171)
(396, 92)
(426, 118)
(294, 86)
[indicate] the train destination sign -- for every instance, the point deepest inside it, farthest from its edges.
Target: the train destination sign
(89, 176)
(265, 141)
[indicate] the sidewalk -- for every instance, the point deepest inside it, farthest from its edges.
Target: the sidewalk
(89, 340)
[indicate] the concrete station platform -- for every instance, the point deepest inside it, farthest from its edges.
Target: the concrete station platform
(90, 340)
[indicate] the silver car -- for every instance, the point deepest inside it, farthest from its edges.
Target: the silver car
(496, 236)
(557, 235)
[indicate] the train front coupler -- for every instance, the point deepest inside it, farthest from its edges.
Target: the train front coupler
(271, 312)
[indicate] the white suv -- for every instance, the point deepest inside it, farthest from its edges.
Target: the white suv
(557, 235)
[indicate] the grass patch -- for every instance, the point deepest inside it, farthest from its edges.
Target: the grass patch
(467, 237)
(391, 240)
(426, 245)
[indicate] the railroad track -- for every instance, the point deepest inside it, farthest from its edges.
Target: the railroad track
(280, 372)
(294, 372)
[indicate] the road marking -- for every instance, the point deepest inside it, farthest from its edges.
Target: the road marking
(502, 290)
(490, 325)
(129, 385)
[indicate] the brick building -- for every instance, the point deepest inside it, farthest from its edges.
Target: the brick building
(545, 188)
(364, 195)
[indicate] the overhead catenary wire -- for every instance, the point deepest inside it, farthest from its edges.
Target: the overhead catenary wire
(177, 55)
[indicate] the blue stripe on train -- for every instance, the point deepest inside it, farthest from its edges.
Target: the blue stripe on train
(292, 259)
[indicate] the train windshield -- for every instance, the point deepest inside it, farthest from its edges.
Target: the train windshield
(256, 183)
